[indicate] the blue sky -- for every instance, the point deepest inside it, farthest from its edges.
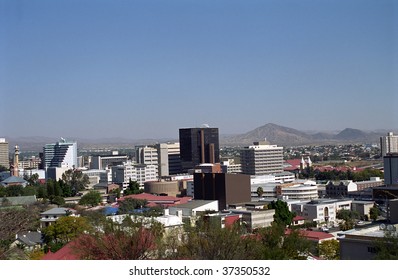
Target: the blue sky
(144, 69)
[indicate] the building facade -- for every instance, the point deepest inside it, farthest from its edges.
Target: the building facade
(389, 144)
(106, 161)
(122, 174)
(148, 155)
(261, 159)
(198, 145)
(61, 154)
(4, 153)
(340, 189)
(224, 187)
(391, 169)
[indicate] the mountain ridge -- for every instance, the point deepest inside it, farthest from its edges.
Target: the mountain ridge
(273, 133)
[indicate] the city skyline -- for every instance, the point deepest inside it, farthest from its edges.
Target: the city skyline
(144, 69)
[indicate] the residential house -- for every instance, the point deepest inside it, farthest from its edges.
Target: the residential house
(51, 216)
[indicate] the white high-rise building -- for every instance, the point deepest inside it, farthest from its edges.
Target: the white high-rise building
(4, 153)
(61, 154)
(389, 144)
(147, 155)
(261, 159)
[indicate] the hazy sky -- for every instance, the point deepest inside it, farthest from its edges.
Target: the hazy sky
(144, 69)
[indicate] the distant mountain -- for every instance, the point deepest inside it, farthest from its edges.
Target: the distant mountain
(285, 136)
(273, 133)
(351, 134)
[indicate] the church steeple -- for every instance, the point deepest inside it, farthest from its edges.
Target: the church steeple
(15, 170)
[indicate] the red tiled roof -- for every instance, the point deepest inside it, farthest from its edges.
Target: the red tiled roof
(65, 253)
(294, 162)
(313, 235)
(298, 218)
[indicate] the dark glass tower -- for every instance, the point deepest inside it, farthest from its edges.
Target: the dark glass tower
(198, 145)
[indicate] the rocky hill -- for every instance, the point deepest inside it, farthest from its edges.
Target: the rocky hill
(285, 136)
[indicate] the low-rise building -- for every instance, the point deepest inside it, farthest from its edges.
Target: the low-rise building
(361, 244)
(339, 189)
(194, 207)
(321, 210)
(51, 216)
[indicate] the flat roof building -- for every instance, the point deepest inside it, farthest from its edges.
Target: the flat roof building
(261, 159)
(198, 145)
(4, 153)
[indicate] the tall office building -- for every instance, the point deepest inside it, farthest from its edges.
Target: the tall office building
(198, 145)
(147, 155)
(4, 153)
(261, 159)
(60, 154)
(391, 169)
(169, 159)
(389, 144)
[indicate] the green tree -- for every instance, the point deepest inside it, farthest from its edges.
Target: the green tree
(58, 200)
(76, 180)
(14, 220)
(33, 180)
(208, 241)
(329, 249)
(133, 188)
(374, 213)
(14, 190)
(387, 247)
(66, 229)
(260, 192)
(282, 213)
(3, 168)
(128, 205)
(277, 243)
(29, 190)
(92, 198)
(348, 218)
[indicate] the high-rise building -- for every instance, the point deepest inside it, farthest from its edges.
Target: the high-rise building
(391, 169)
(147, 155)
(261, 159)
(198, 145)
(4, 153)
(61, 154)
(389, 144)
(169, 158)
(173, 152)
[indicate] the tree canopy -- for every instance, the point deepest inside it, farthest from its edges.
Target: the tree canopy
(92, 198)
(133, 188)
(282, 213)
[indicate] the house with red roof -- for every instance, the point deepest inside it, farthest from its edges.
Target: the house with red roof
(298, 220)
(65, 253)
(315, 236)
